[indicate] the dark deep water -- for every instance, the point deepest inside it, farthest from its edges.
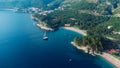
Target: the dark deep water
(21, 46)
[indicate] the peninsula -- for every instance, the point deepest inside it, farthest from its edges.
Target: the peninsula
(105, 54)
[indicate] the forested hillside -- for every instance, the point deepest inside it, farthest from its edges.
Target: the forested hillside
(29, 3)
(98, 16)
(95, 16)
(86, 13)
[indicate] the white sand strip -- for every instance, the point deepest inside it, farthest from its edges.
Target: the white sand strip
(83, 32)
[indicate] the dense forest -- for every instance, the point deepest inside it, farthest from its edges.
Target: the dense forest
(83, 20)
(85, 13)
(95, 43)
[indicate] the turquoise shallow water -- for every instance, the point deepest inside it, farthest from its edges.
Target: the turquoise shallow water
(21, 46)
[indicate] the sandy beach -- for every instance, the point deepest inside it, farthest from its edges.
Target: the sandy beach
(107, 56)
(111, 59)
(83, 32)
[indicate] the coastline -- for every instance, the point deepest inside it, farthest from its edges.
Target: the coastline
(111, 59)
(48, 54)
(44, 27)
(83, 32)
(106, 56)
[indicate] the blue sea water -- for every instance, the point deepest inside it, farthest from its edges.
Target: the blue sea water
(21, 46)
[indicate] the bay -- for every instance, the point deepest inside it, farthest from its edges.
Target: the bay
(22, 46)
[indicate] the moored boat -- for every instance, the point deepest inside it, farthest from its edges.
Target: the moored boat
(45, 37)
